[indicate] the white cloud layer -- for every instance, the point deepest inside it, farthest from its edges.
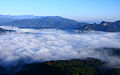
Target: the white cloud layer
(51, 44)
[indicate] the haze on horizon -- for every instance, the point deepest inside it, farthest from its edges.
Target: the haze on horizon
(78, 9)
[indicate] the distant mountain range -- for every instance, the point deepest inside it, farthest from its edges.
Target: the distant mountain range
(46, 22)
(9, 18)
(41, 22)
(103, 26)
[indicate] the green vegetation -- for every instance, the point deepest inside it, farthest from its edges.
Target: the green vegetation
(88, 66)
(64, 67)
(113, 72)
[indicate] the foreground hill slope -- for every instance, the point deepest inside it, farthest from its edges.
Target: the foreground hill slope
(88, 66)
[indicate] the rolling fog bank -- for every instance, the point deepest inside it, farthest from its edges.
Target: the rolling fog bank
(32, 45)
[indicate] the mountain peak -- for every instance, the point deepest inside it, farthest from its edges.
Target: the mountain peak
(104, 23)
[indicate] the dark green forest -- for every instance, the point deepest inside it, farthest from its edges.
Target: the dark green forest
(89, 66)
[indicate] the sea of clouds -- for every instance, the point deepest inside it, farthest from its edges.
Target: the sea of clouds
(50, 44)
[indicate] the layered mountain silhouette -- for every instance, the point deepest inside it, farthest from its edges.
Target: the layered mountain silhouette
(57, 22)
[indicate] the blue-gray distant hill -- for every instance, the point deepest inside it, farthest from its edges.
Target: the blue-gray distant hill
(10, 18)
(46, 22)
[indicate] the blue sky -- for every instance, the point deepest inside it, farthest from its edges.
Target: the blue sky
(76, 9)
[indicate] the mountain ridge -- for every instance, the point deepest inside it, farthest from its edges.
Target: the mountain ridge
(46, 22)
(103, 26)
(57, 22)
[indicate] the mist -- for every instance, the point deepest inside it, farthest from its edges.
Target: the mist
(51, 44)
